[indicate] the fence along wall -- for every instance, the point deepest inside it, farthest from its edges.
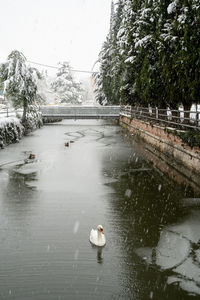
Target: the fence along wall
(189, 119)
(162, 141)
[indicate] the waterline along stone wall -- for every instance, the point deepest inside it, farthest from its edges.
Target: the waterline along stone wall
(171, 148)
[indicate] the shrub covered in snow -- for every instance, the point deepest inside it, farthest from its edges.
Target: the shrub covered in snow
(11, 131)
(33, 120)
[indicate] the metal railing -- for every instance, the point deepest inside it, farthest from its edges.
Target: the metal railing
(7, 112)
(165, 117)
(80, 112)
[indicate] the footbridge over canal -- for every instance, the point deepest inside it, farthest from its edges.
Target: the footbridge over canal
(80, 112)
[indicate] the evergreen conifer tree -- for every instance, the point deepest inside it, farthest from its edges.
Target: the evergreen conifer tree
(152, 53)
(66, 88)
(20, 81)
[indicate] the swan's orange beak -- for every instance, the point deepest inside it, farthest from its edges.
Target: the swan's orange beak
(102, 231)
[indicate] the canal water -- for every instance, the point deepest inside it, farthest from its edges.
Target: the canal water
(49, 204)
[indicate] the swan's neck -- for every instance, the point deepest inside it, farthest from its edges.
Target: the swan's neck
(99, 234)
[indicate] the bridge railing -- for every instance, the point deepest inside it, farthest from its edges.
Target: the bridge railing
(80, 111)
(167, 117)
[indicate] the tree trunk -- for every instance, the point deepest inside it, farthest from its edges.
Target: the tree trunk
(24, 111)
(187, 108)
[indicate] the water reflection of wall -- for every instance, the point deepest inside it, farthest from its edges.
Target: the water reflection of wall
(144, 205)
(167, 147)
(167, 165)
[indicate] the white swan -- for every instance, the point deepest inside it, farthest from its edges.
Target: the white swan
(97, 236)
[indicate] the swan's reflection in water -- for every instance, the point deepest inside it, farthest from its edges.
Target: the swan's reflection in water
(99, 251)
(99, 255)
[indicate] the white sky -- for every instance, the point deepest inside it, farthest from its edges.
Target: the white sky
(49, 31)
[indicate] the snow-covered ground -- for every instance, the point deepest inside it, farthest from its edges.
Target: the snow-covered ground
(6, 112)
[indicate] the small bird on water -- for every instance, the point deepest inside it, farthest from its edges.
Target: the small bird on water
(97, 236)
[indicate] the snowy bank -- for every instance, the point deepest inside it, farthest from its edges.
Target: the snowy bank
(12, 129)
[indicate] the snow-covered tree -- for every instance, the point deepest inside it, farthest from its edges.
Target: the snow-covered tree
(180, 36)
(152, 53)
(20, 81)
(44, 89)
(99, 91)
(108, 80)
(67, 89)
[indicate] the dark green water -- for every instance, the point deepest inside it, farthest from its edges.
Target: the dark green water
(49, 205)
